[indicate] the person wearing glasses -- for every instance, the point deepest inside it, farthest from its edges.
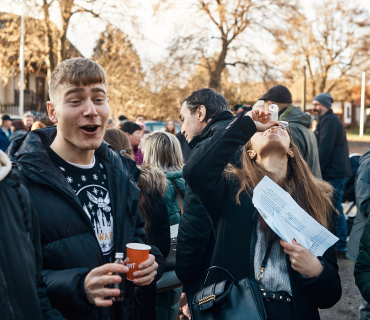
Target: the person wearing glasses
(300, 125)
(296, 282)
(334, 159)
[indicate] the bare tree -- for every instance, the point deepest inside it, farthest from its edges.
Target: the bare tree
(107, 10)
(333, 45)
(131, 92)
(219, 39)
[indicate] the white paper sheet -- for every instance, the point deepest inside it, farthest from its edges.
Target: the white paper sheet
(288, 220)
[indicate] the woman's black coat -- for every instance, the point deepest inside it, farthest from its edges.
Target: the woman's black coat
(69, 245)
(235, 225)
(158, 230)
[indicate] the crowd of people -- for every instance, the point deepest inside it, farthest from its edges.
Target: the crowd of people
(74, 194)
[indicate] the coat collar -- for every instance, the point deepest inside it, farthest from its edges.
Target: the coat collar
(212, 126)
(330, 111)
(33, 161)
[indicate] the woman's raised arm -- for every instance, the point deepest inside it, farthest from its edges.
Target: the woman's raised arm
(203, 171)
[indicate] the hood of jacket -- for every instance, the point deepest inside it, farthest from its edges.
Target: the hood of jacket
(364, 157)
(217, 122)
(176, 178)
(152, 181)
(5, 165)
(18, 134)
(296, 114)
(31, 156)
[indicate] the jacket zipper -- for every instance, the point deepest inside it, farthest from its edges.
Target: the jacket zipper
(7, 293)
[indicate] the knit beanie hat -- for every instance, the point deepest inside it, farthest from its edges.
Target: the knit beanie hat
(279, 94)
(325, 99)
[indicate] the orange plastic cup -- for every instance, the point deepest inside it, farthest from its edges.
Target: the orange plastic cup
(136, 254)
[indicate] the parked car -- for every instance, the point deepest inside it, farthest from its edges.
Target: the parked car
(154, 126)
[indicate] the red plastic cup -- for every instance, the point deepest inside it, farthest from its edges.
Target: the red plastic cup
(136, 254)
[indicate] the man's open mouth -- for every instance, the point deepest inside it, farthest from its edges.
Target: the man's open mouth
(90, 128)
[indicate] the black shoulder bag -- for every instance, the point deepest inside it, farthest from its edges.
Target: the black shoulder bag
(231, 299)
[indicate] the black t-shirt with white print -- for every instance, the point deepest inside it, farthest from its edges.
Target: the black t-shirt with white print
(90, 185)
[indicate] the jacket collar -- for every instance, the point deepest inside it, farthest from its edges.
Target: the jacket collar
(32, 159)
(330, 111)
(212, 126)
(3, 132)
(286, 111)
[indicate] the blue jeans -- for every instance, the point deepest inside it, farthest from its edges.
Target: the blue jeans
(342, 228)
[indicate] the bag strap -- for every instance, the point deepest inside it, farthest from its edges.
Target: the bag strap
(206, 273)
(179, 199)
(264, 262)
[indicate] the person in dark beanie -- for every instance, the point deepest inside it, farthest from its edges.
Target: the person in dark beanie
(334, 158)
(5, 132)
(203, 114)
(122, 118)
(300, 125)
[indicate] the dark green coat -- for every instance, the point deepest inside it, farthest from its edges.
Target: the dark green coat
(362, 266)
(170, 197)
(300, 126)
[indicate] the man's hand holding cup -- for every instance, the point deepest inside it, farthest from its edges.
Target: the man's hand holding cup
(142, 265)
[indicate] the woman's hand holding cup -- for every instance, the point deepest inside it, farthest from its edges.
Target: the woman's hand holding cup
(261, 119)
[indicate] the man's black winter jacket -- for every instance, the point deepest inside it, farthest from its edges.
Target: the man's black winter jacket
(23, 292)
(333, 147)
(195, 238)
(69, 245)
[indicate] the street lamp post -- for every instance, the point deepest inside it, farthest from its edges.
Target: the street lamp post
(362, 112)
(21, 63)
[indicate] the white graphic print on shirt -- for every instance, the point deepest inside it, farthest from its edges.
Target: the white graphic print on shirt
(99, 212)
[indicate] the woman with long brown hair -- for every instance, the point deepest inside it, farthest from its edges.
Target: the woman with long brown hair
(19, 130)
(119, 141)
(162, 157)
(170, 127)
(296, 282)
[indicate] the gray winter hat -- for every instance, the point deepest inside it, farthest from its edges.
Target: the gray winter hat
(325, 99)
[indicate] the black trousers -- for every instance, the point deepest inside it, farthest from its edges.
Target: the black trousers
(277, 310)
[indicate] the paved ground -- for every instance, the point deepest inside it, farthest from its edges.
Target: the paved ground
(358, 146)
(347, 307)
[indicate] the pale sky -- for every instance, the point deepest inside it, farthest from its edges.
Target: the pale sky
(155, 31)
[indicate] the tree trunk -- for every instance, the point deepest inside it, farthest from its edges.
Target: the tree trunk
(313, 83)
(215, 74)
(49, 55)
(66, 12)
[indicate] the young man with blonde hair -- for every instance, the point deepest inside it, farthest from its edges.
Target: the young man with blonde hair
(28, 120)
(85, 197)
